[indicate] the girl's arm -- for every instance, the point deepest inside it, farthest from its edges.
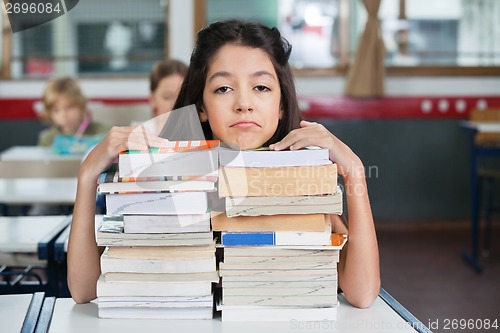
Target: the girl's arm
(359, 268)
(83, 253)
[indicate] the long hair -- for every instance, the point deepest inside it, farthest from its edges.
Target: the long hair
(251, 34)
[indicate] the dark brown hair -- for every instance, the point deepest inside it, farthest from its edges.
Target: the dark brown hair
(251, 34)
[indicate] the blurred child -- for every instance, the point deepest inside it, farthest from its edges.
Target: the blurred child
(64, 107)
(165, 81)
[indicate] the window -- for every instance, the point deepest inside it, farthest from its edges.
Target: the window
(431, 37)
(95, 38)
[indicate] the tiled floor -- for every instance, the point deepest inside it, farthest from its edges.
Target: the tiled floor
(424, 271)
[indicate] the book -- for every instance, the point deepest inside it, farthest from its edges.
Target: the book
(166, 223)
(305, 204)
(110, 233)
(277, 181)
(178, 158)
(152, 288)
(276, 238)
(111, 183)
(275, 313)
(161, 252)
(159, 277)
(264, 157)
(278, 275)
(197, 307)
(281, 300)
(288, 222)
(110, 264)
(157, 203)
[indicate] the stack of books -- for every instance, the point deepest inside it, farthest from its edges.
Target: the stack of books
(159, 260)
(280, 257)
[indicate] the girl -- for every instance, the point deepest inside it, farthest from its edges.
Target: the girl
(241, 83)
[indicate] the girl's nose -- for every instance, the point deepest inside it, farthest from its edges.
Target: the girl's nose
(243, 102)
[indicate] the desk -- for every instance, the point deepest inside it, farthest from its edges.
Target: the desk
(37, 162)
(32, 234)
(21, 191)
(69, 317)
(20, 312)
(477, 152)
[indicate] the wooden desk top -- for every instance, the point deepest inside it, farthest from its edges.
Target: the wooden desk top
(38, 190)
(69, 317)
(23, 234)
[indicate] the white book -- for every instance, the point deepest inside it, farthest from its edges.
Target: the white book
(157, 203)
(110, 233)
(277, 251)
(129, 307)
(274, 313)
(305, 204)
(289, 300)
(276, 266)
(159, 277)
(156, 266)
(268, 158)
(333, 257)
(156, 186)
(178, 158)
(281, 284)
(152, 288)
(277, 276)
(166, 223)
(156, 301)
(287, 291)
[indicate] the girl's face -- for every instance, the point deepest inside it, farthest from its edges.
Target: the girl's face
(163, 98)
(241, 99)
(66, 116)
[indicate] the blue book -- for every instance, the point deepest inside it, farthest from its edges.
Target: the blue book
(278, 238)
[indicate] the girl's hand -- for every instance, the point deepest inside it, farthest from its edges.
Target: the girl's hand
(314, 134)
(116, 140)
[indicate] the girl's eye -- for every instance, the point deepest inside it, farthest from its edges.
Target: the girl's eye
(223, 90)
(262, 88)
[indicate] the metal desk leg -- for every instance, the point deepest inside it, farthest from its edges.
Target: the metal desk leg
(472, 258)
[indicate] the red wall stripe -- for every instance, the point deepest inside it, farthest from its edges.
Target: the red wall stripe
(325, 107)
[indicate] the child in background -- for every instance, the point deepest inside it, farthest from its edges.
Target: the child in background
(64, 107)
(241, 83)
(165, 81)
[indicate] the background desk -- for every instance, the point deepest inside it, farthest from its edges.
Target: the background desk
(28, 191)
(32, 234)
(476, 152)
(37, 162)
(20, 313)
(69, 317)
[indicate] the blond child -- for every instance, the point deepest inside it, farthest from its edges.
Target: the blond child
(64, 108)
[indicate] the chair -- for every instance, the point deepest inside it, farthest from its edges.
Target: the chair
(488, 175)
